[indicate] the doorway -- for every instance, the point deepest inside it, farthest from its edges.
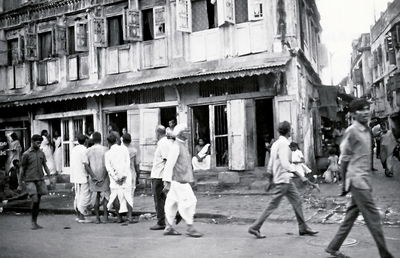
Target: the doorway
(264, 127)
(117, 121)
(167, 114)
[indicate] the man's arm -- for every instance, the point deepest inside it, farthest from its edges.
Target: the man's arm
(90, 172)
(169, 165)
(46, 169)
(343, 166)
(111, 171)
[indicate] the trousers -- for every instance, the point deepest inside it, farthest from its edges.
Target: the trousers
(157, 186)
(291, 193)
(180, 198)
(361, 201)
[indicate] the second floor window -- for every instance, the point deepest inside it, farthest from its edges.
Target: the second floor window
(45, 45)
(115, 33)
(71, 40)
(12, 51)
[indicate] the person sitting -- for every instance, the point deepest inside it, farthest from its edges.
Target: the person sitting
(202, 159)
(298, 159)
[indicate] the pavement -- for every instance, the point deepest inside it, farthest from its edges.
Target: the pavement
(63, 237)
(246, 205)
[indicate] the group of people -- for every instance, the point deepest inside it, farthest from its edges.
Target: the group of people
(355, 150)
(172, 174)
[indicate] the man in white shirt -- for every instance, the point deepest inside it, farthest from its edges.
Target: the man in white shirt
(117, 163)
(157, 172)
(280, 172)
(79, 177)
(178, 175)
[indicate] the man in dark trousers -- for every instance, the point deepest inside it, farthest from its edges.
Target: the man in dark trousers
(280, 172)
(356, 169)
(32, 165)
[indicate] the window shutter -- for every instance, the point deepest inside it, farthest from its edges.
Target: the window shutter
(397, 39)
(255, 10)
(184, 15)
(21, 44)
(226, 12)
(59, 39)
(31, 43)
(159, 14)
(3, 52)
(132, 28)
(99, 32)
(81, 41)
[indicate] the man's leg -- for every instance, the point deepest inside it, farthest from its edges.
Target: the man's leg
(344, 228)
(365, 202)
(96, 207)
(105, 211)
(280, 191)
(35, 211)
(170, 208)
(159, 202)
(294, 198)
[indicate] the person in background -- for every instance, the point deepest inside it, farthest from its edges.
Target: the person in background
(280, 172)
(337, 135)
(14, 150)
(13, 175)
(298, 159)
(124, 131)
(178, 175)
(134, 166)
(331, 175)
(117, 163)
(99, 183)
(170, 129)
(31, 173)
(57, 155)
(356, 170)
(79, 177)
(388, 144)
(202, 160)
(157, 173)
(48, 152)
(268, 141)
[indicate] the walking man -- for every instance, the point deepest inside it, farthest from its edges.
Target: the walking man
(177, 177)
(32, 165)
(157, 172)
(80, 178)
(280, 172)
(356, 169)
(99, 180)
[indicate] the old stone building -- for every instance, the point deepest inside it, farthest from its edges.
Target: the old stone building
(230, 69)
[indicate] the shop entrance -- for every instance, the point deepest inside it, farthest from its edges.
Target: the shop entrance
(264, 127)
(117, 121)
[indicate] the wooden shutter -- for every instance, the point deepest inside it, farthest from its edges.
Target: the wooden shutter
(73, 68)
(132, 25)
(99, 32)
(31, 43)
(285, 110)
(60, 40)
(226, 12)
(240, 129)
(160, 51)
(81, 38)
(3, 52)
(133, 120)
(21, 47)
(255, 10)
(149, 119)
(184, 15)
(159, 21)
(83, 66)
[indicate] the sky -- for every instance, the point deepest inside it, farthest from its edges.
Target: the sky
(343, 21)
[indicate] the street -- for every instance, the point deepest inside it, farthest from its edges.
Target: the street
(63, 237)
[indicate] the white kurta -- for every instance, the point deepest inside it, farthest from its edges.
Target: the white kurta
(205, 163)
(117, 162)
(58, 154)
(48, 153)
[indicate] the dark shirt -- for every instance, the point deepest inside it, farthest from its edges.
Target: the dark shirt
(32, 165)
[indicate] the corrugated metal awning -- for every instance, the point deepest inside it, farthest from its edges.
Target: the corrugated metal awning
(162, 77)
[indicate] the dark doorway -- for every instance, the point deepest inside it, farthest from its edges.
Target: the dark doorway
(167, 114)
(265, 127)
(201, 126)
(117, 121)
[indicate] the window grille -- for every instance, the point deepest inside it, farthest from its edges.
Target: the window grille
(228, 87)
(140, 97)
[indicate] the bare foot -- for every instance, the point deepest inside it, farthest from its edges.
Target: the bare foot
(35, 226)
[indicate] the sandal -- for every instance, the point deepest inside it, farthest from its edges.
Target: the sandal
(171, 232)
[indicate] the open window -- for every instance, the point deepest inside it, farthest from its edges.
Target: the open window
(154, 23)
(115, 31)
(77, 47)
(45, 45)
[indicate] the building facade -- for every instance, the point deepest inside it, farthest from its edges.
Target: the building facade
(230, 69)
(385, 46)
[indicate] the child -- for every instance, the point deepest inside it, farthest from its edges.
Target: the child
(332, 173)
(298, 159)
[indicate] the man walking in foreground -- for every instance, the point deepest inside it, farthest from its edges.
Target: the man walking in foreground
(32, 165)
(178, 175)
(356, 166)
(280, 172)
